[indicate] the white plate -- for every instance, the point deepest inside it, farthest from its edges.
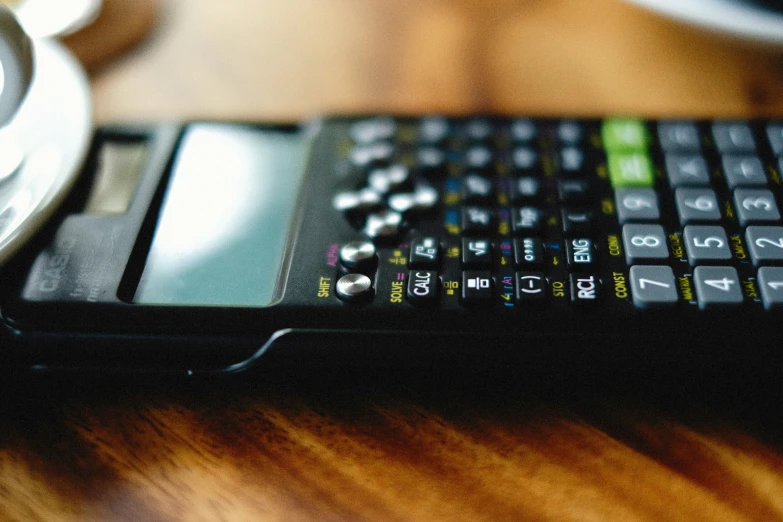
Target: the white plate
(52, 129)
(42, 18)
(735, 17)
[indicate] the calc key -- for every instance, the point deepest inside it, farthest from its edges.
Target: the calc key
(653, 286)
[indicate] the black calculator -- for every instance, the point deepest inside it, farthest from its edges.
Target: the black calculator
(213, 246)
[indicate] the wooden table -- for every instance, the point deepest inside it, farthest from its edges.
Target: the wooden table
(521, 445)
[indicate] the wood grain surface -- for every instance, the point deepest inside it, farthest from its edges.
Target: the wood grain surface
(519, 444)
(120, 25)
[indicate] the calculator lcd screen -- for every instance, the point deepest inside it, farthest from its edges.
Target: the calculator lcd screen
(224, 220)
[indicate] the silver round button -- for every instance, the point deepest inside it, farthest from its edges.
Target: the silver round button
(357, 253)
(353, 287)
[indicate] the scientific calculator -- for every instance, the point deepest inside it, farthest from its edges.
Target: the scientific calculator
(213, 246)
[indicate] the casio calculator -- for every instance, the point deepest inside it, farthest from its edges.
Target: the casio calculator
(214, 246)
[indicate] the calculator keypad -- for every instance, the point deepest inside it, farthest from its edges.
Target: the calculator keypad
(620, 212)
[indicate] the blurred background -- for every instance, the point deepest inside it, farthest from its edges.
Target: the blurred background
(287, 59)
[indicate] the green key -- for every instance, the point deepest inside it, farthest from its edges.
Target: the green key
(631, 170)
(624, 135)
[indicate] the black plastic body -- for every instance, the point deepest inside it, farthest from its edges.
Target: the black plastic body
(110, 333)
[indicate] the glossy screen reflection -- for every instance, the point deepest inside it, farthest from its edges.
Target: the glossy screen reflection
(225, 217)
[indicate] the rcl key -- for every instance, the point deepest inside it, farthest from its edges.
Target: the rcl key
(585, 288)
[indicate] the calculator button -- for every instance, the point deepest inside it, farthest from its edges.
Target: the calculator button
(580, 253)
(531, 286)
(528, 252)
(585, 288)
(372, 130)
(372, 155)
(770, 281)
(430, 162)
(523, 130)
(479, 158)
(717, 286)
(357, 254)
(775, 137)
(476, 189)
(525, 188)
(476, 220)
(687, 170)
(644, 243)
(624, 135)
(390, 179)
(524, 160)
(573, 190)
(402, 203)
(679, 136)
(572, 159)
(423, 286)
(696, 205)
(362, 200)
(755, 206)
(384, 224)
(479, 129)
(526, 220)
(425, 253)
(765, 244)
(570, 132)
(576, 222)
(733, 137)
(434, 129)
(637, 204)
(706, 244)
(424, 198)
(630, 170)
(476, 253)
(744, 171)
(476, 286)
(353, 287)
(653, 286)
